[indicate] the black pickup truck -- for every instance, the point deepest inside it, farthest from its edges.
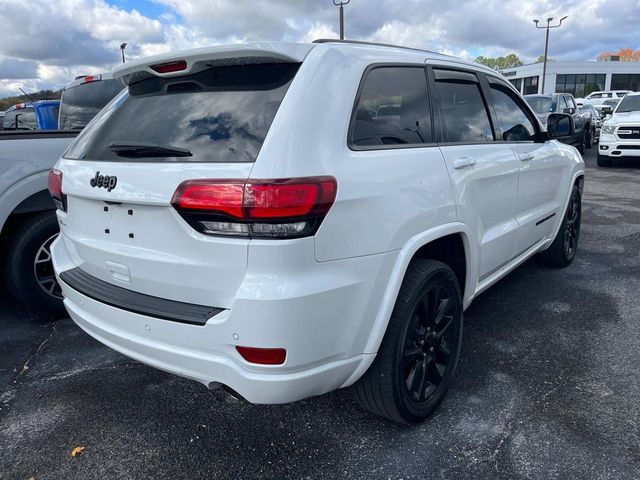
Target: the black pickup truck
(584, 132)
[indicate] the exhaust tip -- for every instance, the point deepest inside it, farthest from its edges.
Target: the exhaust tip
(220, 389)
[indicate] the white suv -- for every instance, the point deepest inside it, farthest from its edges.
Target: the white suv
(620, 133)
(599, 97)
(283, 220)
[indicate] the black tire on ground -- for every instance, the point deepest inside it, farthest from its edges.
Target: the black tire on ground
(563, 249)
(582, 146)
(416, 361)
(591, 133)
(604, 161)
(28, 270)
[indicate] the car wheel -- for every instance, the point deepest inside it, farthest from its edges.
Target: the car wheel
(417, 359)
(590, 137)
(582, 146)
(564, 246)
(29, 270)
(604, 161)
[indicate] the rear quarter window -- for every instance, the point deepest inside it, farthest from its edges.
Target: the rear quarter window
(220, 115)
(392, 109)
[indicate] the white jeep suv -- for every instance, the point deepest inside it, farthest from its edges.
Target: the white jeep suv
(620, 133)
(283, 220)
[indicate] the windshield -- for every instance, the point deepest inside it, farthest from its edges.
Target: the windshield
(79, 104)
(221, 114)
(541, 105)
(630, 103)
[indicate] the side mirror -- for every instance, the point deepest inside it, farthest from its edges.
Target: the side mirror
(607, 109)
(560, 125)
(569, 110)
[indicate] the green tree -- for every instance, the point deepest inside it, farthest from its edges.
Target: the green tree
(541, 59)
(35, 96)
(500, 63)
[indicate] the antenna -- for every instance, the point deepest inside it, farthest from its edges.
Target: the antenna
(26, 94)
(341, 4)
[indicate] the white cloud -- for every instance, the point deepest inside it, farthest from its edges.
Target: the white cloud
(85, 35)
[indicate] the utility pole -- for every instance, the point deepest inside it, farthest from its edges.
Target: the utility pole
(341, 4)
(123, 45)
(546, 44)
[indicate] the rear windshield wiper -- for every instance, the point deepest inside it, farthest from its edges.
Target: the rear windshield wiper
(144, 150)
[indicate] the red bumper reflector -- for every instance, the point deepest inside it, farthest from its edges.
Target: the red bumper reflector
(263, 356)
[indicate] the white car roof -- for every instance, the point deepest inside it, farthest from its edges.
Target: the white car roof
(262, 52)
(81, 79)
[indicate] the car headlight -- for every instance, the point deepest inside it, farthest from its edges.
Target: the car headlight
(608, 129)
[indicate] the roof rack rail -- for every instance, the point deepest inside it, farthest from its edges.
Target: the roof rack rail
(359, 42)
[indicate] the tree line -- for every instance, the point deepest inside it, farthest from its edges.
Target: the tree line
(35, 96)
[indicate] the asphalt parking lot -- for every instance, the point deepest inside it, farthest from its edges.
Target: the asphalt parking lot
(548, 386)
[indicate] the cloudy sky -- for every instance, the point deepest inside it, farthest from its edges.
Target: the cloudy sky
(45, 43)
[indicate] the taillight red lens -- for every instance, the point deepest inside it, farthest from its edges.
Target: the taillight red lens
(283, 208)
(55, 188)
(263, 356)
(210, 195)
(169, 67)
(289, 198)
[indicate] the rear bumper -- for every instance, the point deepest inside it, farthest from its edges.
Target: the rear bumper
(322, 324)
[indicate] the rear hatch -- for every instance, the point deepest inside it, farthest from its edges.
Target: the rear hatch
(198, 116)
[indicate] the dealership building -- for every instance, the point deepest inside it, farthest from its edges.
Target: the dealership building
(577, 78)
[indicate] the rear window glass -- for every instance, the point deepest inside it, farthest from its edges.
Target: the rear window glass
(81, 103)
(219, 115)
(21, 119)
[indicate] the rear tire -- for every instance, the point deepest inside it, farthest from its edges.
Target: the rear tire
(29, 271)
(416, 361)
(563, 249)
(604, 161)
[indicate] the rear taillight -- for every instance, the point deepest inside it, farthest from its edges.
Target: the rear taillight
(55, 189)
(287, 208)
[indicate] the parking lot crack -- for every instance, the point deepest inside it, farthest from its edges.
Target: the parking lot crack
(32, 356)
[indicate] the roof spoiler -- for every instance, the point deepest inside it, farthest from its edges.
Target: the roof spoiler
(195, 60)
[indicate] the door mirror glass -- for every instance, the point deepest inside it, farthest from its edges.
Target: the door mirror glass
(560, 125)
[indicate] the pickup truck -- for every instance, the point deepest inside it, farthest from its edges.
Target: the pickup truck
(620, 134)
(28, 223)
(41, 115)
(584, 131)
(27, 216)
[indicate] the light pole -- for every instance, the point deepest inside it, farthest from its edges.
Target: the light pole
(546, 45)
(341, 4)
(123, 45)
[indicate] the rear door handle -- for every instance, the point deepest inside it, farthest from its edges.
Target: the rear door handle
(525, 156)
(464, 162)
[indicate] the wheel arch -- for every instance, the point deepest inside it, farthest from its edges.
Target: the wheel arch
(428, 244)
(29, 195)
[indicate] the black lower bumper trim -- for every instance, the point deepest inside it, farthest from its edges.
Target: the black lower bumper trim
(135, 302)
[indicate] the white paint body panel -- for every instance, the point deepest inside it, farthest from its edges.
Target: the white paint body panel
(326, 299)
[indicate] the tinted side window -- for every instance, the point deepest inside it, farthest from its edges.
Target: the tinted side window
(393, 108)
(515, 125)
(464, 113)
